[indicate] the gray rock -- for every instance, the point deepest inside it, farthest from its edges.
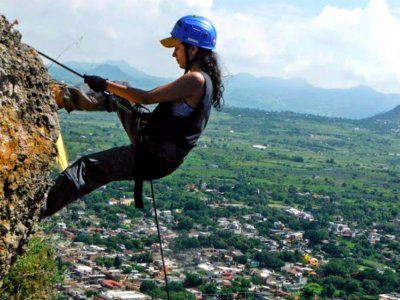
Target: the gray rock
(28, 130)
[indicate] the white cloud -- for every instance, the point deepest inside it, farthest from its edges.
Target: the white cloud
(127, 30)
(339, 47)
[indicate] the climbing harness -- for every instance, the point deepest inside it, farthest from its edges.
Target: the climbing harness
(138, 189)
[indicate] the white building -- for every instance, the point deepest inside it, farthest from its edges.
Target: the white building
(123, 295)
(82, 269)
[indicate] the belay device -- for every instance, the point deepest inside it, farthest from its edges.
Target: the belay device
(138, 190)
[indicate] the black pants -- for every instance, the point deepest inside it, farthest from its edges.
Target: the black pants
(140, 160)
(95, 170)
(89, 173)
(147, 160)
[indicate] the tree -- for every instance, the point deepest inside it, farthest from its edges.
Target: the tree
(290, 256)
(371, 274)
(316, 236)
(334, 250)
(328, 290)
(33, 275)
(194, 204)
(192, 280)
(241, 259)
(352, 286)
(176, 286)
(185, 223)
(181, 295)
(335, 267)
(92, 294)
(337, 281)
(150, 288)
(269, 260)
(117, 262)
(244, 283)
(226, 293)
(371, 287)
(391, 281)
(143, 258)
(297, 159)
(213, 241)
(258, 280)
(210, 289)
(104, 261)
(186, 242)
(127, 270)
(311, 290)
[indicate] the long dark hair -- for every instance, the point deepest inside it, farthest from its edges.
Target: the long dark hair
(209, 63)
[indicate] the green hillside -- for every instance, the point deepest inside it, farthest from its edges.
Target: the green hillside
(339, 158)
(339, 171)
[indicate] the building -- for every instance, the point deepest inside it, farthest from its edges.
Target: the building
(391, 296)
(112, 284)
(123, 295)
(127, 201)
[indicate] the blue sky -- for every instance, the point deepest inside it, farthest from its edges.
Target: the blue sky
(331, 44)
(310, 6)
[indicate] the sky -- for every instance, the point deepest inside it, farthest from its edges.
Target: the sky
(331, 44)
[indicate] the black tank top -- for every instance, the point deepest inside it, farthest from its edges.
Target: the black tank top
(182, 132)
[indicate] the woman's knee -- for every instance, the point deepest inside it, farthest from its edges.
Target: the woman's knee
(103, 167)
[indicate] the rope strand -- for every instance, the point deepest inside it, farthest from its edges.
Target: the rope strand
(159, 240)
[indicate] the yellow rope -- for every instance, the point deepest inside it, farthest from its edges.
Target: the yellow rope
(61, 159)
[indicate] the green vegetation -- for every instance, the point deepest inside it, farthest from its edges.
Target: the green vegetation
(33, 275)
(177, 291)
(342, 278)
(337, 170)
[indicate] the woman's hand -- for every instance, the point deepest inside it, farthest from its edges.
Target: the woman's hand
(96, 83)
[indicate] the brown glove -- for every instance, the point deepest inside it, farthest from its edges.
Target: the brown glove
(58, 93)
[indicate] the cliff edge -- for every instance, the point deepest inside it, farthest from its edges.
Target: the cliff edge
(28, 131)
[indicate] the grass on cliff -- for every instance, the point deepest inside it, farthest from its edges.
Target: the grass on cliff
(33, 275)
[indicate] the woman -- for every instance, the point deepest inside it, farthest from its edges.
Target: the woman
(160, 140)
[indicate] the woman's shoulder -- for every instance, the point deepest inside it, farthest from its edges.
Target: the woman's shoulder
(195, 77)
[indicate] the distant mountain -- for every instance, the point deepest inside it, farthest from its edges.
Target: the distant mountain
(115, 70)
(244, 90)
(388, 121)
(391, 116)
(128, 69)
(266, 93)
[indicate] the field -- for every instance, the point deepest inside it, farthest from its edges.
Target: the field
(322, 160)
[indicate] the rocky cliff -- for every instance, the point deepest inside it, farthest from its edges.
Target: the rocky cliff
(28, 131)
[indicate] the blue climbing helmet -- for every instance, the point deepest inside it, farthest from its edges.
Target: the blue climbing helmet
(193, 30)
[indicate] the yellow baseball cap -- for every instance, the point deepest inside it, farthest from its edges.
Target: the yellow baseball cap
(170, 42)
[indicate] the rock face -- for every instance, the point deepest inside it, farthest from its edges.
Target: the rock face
(28, 131)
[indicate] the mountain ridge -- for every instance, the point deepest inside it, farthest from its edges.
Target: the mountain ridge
(248, 91)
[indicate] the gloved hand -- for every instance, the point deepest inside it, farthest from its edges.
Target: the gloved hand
(58, 93)
(96, 83)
